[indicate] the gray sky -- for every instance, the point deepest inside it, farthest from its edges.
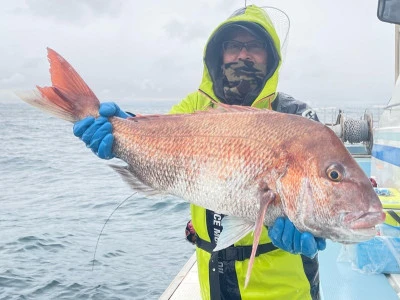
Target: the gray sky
(338, 52)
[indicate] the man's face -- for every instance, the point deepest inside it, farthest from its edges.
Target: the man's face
(253, 52)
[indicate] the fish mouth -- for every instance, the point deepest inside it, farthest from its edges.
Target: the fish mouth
(358, 236)
(364, 220)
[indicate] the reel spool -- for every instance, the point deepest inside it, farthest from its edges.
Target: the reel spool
(354, 131)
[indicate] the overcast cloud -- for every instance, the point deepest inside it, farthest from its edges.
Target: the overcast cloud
(338, 52)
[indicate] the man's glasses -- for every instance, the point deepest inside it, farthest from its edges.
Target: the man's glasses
(253, 47)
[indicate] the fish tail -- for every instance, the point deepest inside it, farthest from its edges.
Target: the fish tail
(69, 97)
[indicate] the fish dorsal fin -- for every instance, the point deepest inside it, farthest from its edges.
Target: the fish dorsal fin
(142, 118)
(234, 229)
(217, 109)
(134, 182)
(222, 107)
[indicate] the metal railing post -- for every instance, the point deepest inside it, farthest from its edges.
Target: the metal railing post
(397, 52)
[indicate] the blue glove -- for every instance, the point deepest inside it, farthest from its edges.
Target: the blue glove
(284, 235)
(97, 133)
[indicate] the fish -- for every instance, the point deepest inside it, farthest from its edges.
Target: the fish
(249, 164)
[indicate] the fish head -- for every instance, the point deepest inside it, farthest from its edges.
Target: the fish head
(331, 196)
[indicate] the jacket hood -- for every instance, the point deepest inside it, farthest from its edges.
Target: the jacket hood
(256, 21)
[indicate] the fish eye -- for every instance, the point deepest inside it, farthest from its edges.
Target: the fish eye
(335, 172)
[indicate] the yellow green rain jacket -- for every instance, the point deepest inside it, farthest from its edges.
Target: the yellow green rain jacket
(276, 274)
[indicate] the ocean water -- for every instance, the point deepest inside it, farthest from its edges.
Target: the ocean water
(55, 197)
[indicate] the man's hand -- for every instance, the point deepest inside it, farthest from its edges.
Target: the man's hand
(97, 133)
(284, 235)
(190, 232)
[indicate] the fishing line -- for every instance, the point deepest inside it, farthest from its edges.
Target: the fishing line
(109, 217)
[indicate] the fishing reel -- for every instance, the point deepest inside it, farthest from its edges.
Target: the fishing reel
(354, 131)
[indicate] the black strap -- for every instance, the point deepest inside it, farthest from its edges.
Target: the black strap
(239, 253)
(205, 245)
(232, 253)
(394, 216)
(213, 267)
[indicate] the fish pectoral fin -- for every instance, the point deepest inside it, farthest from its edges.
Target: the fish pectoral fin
(234, 229)
(134, 182)
(267, 197)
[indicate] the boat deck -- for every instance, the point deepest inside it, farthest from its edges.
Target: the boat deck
(186, 283)
(338, 281)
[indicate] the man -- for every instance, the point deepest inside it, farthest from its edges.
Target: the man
(241, 65)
